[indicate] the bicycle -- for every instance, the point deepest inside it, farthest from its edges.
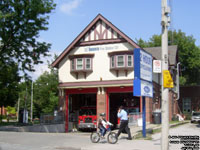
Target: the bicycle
(111, 137)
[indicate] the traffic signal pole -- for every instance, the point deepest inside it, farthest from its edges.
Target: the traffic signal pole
(165, 91)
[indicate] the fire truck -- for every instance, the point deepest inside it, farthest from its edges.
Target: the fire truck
(87, 118)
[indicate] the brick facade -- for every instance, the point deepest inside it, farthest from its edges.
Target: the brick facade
(101, 104)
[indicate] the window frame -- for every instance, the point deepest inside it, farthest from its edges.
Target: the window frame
(78, 64)
(117, 58)
(73, 66)
(128, 60)
(90, 60)
(112, 62)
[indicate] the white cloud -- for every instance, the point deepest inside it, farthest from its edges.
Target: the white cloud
(41, 68)
(70, 6)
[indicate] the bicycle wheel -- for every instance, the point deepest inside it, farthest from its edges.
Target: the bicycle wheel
(95, 137)
(112, 138)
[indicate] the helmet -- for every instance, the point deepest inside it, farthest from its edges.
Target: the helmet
(102, 114)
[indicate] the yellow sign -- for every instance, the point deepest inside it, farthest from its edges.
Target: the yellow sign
(167, 79)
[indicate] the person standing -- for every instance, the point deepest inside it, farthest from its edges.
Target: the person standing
(122, 114)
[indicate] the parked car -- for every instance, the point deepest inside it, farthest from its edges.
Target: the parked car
(195, 117)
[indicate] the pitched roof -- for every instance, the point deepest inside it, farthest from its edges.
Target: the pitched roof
(78, 40)
(156, 52)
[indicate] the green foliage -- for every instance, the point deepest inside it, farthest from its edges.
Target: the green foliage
(53, 102)
(9, 79)
(182, 80)
(188, 55)
(20, 23)
(11, 110)
(46, 93)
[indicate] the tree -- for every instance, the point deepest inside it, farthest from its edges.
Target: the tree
(188, 55)
(46, 92)
(20, 23)
(9, 79)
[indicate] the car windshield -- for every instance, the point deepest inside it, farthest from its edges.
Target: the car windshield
(196, 114)
(87, 111)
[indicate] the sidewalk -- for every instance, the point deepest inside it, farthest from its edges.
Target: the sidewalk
(149, 127)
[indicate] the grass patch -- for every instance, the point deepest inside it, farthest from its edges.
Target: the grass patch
(175, 121)
(139, 136)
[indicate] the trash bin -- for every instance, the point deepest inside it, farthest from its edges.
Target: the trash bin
(157, 117)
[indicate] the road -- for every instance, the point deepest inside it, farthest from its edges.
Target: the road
(81, 141)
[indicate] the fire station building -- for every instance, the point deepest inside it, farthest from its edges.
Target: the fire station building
(96, 73)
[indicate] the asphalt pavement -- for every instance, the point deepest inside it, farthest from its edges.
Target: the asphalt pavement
(81, 141)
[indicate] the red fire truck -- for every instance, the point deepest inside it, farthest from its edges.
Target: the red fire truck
(87, 118)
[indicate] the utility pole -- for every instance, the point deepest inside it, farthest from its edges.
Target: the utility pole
(165, 91)
(18, 109)
(32, 101)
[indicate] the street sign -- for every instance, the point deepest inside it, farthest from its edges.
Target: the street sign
(157, 66)
(142, 83)
(167, 79)
(142, 88)
(142, 65)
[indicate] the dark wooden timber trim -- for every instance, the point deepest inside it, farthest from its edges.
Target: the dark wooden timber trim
(97, 42)
(81, 56)
(120, 53)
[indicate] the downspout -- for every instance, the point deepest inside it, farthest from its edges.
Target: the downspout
(177, 81)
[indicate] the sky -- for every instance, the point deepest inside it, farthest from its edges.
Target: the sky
(136, 18)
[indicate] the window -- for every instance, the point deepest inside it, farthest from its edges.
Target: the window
(112, 62)
(186, 105)
(120, 61)
(73, 67)
(79, 64)
(88, 63)
(130, 61)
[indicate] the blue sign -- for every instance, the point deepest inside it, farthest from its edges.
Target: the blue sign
(142, 74)
(142, 88)
(142, 65)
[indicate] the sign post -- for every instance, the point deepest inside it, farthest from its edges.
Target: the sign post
(142, 82)
(143, 116)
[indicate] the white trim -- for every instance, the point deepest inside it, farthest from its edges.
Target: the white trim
(77, 64)
(131, 60)
(123, 61)
(86, 64)
(112, 66)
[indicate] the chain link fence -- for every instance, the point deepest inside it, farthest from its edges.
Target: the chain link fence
(52, 118)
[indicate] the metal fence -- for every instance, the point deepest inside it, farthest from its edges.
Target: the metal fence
(135, 119)
(52, 118)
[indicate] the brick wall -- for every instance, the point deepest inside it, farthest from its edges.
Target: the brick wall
(101, 103)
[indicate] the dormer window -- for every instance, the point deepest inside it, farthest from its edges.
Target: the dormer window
(129, 60)
(121, 61)
(88, 63)
(81, 64)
